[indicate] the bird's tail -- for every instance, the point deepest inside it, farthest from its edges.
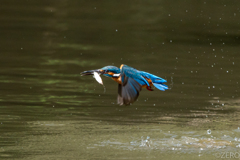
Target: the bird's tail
(157, 81)
(160, 86)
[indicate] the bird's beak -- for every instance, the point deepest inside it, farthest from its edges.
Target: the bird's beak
(85, 73)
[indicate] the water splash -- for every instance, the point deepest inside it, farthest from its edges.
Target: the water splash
(146, 143)
(171, 85)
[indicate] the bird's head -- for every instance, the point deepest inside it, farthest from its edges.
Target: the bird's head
(109, 71)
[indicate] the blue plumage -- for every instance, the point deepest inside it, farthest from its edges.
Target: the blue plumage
(131, 81)
(157, 81)
(133, 73)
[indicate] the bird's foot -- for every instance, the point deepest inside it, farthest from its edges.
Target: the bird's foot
(149, 88)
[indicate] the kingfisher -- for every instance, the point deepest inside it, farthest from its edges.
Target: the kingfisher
(130, 81)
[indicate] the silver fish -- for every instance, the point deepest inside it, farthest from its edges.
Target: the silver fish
(97, 77)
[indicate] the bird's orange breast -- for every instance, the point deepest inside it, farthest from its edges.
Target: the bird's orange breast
(117, 79)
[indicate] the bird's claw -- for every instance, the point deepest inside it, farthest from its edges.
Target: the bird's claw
(149, 88)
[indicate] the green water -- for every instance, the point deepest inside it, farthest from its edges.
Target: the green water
(48, 111)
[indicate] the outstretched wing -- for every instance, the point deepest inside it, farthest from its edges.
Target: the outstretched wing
(128, 90)
(130, 72)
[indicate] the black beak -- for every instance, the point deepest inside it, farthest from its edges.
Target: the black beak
(85, 73)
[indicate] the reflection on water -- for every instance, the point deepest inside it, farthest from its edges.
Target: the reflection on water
(48, 111)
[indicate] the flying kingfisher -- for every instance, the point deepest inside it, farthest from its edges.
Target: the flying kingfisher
(130, 81)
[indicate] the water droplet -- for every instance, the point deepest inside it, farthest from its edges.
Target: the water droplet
(209, 131)
(116, 30)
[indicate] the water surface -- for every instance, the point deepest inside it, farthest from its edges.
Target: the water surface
(48, 111)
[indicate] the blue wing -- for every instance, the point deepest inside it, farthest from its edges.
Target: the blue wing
(133, 73)
(132, 82)
(128, 91)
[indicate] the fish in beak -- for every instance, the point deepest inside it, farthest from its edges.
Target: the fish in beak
(96, 74)
(97, 77)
